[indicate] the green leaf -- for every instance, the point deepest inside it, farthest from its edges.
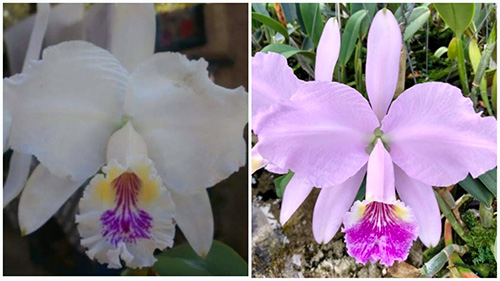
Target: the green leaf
(271, 23)
(311, 15)
(494, 93)
(287, 50)
(417, 19)
(478, 190)
(457, 16)
(489, 179)
(350, 36)
(441, 51)
(289, 11)
(183, 261)
(474, 54)
(261, 9)
(362, 191)
(281, 182)
(371, 9)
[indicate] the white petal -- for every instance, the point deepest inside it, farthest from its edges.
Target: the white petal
(43, 195)
(19, 169)
(111, 236)
(124, 145)
(133, 30)
(189, 123)
(37, 34)
(7, 121)
(66, 107)
(194, 217)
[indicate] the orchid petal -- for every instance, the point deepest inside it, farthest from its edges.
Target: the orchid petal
(295, 193)
(382, 61)
(321, 134)
(66, 106)
(43, 195)
(133, 31)
(19, 170)
(436, 137)
(380, 175)
(194, 217)
(328, 51)
(188, 123)
(7, 122)
(379, 231)
(332, 204)
(273, 81)
(420, 197)
(258, 162)
(126, 214)
(37, 34)
(124, 145)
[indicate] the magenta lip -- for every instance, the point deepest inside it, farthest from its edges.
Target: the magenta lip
(126, 222)
(380, 235)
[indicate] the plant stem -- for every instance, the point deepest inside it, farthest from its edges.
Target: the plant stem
(486, 215)
(481, 68)
(461, 69)
(343, 74)
(445, 209)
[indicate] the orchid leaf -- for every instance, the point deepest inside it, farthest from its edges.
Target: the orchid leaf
(441, 51)
(290, 12)
(182, 260)
(261, 9)
(478, 190)
(287, 50)
(362, 191)
(474, 54)
(457, 16)
(271, 23)
(371, 9)
(489, 179)
(418, 18)
(494, 93)
(350, 36)
(311, 15)
(281, 182)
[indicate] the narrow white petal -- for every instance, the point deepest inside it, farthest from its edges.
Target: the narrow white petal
(124, 145)
(7, 122)
(19, 169)
(37, 34)
(65, 107)
(43, 195)
(188, 123)
(133, 30)
(194, 217)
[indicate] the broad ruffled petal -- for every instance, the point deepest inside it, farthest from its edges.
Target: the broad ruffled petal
(43, 195)
(379, 231)
(380, 175)
(66, 106)
(382, 61)
(436, 137)
(273, 81)
(188, 123)
(321, 134)
(194, 217)
(133, 33)
(328, 51)
(420, 197)
(19, 170)
(295, 193)
(332, 204)
(126, 215)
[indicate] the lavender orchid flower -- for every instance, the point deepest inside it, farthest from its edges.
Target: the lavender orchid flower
(330, 136)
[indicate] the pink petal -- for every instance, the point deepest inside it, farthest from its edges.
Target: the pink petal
(379, 231)
(382, 61)
(273, 81)
(380, 175)
(328, 51)
(420, 197)
(258, 162)
(436, 137)
(295, 193)
(332, 204)
(321, 133)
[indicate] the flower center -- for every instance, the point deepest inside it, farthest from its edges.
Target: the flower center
(377, 134)
(126, 222)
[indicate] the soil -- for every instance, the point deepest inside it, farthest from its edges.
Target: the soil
(291, 251)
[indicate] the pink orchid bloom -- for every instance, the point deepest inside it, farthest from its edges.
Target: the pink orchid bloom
(330, 136)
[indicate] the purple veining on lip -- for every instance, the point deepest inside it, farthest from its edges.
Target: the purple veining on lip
(126, 222)
(380, 234)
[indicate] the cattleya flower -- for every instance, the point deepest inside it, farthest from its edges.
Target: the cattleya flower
(330, 136)
(157, 126)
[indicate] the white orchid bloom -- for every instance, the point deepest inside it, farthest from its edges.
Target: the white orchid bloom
(68, 111)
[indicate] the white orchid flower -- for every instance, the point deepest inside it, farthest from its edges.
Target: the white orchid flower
(183, 134)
